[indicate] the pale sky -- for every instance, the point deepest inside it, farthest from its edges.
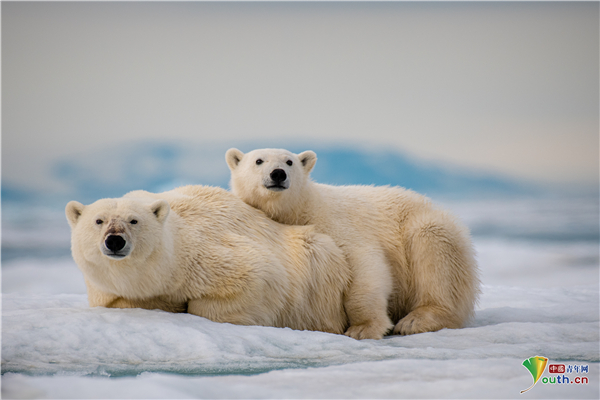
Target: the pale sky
(503, 87)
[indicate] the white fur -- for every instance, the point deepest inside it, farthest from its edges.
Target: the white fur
(202, 250)
(411, 262)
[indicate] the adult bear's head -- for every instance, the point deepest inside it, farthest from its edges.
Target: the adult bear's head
(114, 242)
(115, 228)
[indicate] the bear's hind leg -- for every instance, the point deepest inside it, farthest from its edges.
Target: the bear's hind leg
(443, 275)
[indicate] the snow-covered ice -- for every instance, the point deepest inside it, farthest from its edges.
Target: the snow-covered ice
(540, 297)
(55, 345)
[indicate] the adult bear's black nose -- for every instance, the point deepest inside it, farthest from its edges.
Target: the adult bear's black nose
(278, 175)
(114, 243)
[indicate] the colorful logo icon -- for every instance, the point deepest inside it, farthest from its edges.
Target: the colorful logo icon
(536, 366)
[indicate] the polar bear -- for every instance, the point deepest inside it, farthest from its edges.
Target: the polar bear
(202, 250)
(413, 266)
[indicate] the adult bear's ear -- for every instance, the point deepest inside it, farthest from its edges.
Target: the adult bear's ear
(161, 209)
(73, 212)
(308, 160)
(233, 158)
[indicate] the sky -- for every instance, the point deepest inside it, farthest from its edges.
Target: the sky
(511, 88)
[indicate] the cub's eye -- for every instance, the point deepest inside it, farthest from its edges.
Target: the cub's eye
(133, 221)
(289, 162)
(99, 221)
(259, 161)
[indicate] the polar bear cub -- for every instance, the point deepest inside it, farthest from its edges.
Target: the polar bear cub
(202, 250)
(412, 264)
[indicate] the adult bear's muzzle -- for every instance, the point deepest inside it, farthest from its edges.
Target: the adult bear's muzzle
(116, 247)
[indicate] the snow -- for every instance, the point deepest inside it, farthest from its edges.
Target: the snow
(540, 297)
(502, 378)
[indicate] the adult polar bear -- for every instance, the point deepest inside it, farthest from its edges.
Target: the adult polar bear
(410, 262)
(202, 250)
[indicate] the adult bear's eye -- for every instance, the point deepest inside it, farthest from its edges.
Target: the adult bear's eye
(133, 221)
(99, 221)
(289, 162)
(259, 161)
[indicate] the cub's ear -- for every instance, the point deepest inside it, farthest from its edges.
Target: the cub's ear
(73, 212)
(161, 209)
(233, 158)
(308, 160)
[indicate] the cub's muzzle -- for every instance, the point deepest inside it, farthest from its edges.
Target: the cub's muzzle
(278, 180)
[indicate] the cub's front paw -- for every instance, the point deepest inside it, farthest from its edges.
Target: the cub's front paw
(418, 321)
(368, 330)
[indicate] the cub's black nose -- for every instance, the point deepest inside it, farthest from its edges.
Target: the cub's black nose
(278, 175)
(114, 243)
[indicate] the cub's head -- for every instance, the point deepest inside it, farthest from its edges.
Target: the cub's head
(115, 229)
(269, 175)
